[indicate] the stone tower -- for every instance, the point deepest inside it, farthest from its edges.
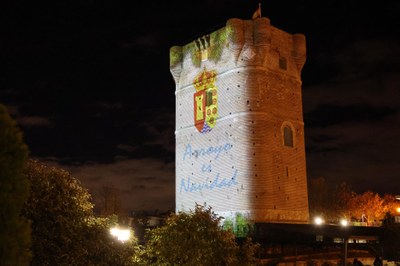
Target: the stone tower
(239, 122)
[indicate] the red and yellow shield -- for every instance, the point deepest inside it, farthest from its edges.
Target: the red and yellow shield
(205, 101)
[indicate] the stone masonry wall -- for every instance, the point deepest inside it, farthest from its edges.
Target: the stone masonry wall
(238, 90)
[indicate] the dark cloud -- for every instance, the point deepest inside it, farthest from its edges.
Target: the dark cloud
(126, 148)
(351, 107)
(33, 121)
(362, 153)
(142, 184)
(325, 115)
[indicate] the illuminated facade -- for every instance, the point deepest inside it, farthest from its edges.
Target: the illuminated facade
(239, 122)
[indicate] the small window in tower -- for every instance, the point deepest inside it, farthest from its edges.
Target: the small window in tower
(287, 136)
(282, 63)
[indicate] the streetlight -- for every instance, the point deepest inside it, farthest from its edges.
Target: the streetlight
(318, 220)
(397, 216)
(121, 234)
(344, 222)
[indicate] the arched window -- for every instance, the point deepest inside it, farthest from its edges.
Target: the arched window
(287, 136)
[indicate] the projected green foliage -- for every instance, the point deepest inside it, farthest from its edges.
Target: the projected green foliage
(218, 41)
(240, 225)
(195, 54)
(175, 55)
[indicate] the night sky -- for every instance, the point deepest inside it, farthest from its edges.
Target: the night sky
(89, 84)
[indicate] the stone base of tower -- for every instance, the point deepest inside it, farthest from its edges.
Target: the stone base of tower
(280, 216)
(267, 216)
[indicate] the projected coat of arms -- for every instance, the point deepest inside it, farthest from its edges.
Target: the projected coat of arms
(205, 101)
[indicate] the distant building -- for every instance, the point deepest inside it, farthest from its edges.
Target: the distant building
(239, 123)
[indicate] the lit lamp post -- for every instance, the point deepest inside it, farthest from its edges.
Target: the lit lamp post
(318, 221)
(397, 215)
(344, 223)
(121, 234)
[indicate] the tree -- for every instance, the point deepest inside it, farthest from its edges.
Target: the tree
(320, 198)
(64, 229)
(196, 238)
(58, 208)
(369, 207)
(14, 190)
(391, 204)
(343, 195)
(106, 250)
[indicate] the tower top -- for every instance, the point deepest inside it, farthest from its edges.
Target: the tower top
(239, 43)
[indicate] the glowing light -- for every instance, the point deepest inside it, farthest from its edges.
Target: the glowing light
(318, 220)
(398, 209)
(121, 234)
(344, 222)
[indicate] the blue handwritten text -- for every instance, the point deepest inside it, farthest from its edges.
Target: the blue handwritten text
(187, 186)
(217, 150)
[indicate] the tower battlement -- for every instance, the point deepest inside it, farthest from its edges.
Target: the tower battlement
(240, 43)
(239, 122)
